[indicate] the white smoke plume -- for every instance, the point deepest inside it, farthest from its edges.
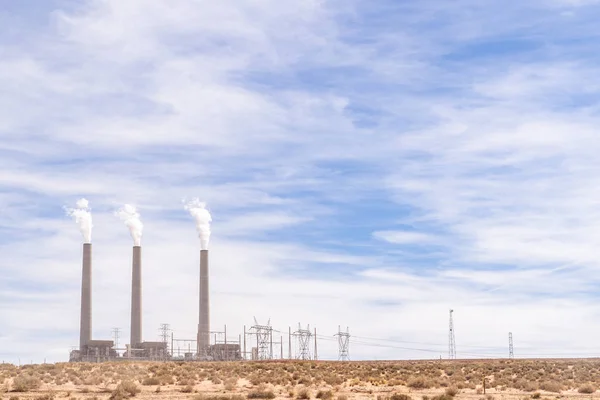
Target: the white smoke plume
(131, 218)
(203, 219)
(82, 214)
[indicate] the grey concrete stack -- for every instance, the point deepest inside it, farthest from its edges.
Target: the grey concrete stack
(85, 327)
(204, 320)
(136, 298)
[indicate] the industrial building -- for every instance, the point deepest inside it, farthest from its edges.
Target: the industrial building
(104, 350)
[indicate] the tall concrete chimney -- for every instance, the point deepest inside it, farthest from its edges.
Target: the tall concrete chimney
(85, 326)
(204, 323)
(136, 298)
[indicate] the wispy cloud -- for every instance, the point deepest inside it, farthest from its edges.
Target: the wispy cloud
(359, 159)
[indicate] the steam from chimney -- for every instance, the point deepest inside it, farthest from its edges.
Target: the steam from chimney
(83, 217)
(131, 218)
(203, 219)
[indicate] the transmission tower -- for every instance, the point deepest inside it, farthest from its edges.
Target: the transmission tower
(451, 341)
(164, 333)
(116, 332)
(511, 352)
(343, 344)
(264, 340)
(303, 341)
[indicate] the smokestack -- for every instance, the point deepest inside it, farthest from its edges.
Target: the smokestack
(202, 217)
(204, 320)
(129, 215)
(83, 217)
(136, 298)
(85, 327)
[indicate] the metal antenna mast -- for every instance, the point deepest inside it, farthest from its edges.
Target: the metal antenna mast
(451, 340)
(303, 337)
(343, 344)
(511, 352)
(264, 339)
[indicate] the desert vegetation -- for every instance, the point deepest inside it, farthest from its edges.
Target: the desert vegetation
(408, 380)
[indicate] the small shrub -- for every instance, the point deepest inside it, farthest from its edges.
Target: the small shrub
(151, 381)
(26, 383)
(187, 389)
(230, 384)
(419, 382)
(451, 391)
(442, 397)
(124, 390)
(587, 389)
(85, 390)
(342, 397)
(261, 394)
(47, 396)
(14, 398)
(551, 387)
(530, 387)
(536, 395)
(400, 396)
(324, 394)
(303, 394)
(118, 394)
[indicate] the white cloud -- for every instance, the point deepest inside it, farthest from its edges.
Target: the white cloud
(254, 108)
(404, 237)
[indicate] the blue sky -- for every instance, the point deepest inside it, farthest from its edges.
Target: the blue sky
(367, 164)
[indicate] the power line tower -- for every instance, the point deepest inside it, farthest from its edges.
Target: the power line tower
(343, 344)
(451, 339)
(264, 340)
(164, 332)
(303, 337)
(116, 332)
(164, 336)
(511, 352)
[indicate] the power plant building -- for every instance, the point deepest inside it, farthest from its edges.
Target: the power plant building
(104, 350)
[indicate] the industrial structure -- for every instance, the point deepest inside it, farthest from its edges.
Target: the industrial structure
(204, 309)
(207, 346)
(451, 339)
(89, 350)
(136, 298)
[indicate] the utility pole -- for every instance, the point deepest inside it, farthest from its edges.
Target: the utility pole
(343, 344)
(289, 343)
(315, 343)
(116, 332)
(451, 339)
(511, 352)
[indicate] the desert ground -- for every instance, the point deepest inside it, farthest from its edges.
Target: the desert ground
(393, 380)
